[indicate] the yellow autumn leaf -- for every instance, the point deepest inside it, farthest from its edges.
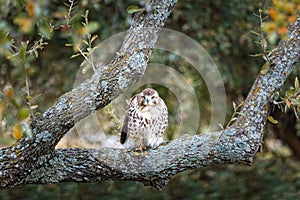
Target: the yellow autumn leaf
(292, 18)
(2, 108)
(288, 102)
(265, 68)
(26, 24)
(134, 8)
(272, 120)
(8, 91)
(273, 13)
(82, 31)
(282, 30)
(30, 9)
(17, 131)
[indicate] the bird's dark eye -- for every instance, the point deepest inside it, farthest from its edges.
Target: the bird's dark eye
(152, 97)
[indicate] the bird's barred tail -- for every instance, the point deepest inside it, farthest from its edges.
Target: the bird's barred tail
(123, 137)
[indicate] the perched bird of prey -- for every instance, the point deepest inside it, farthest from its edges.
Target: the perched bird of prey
(145, 121)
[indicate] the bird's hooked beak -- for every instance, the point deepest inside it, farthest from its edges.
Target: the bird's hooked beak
(147, 100)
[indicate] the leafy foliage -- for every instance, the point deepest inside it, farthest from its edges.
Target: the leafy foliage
(31, 31)
(282, 13)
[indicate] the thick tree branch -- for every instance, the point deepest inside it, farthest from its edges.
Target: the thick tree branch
(154, 168)
(237, 144)
(18, 161)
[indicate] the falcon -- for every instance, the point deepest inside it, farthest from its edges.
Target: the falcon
(145, 121)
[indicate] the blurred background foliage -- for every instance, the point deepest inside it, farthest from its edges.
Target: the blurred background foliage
(44, 43)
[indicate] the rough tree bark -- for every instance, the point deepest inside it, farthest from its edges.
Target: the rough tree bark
(35, 159)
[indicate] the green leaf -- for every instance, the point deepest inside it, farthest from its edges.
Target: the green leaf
(92, 27)
(94, 38)
(23, 113)
(289, 92)
(75, 55)
(276, 95)
(133, 9)
(255, 33)
(22, 50)
(234, 106)
(256, 55)
(85, 42)
(272, 120)
(296, 84)
(265, 68)
(46, 31)
(296, 101)
(85, 69)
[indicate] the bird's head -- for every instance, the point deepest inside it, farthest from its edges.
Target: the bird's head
(148, 97)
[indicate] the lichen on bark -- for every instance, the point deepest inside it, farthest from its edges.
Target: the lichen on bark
(35, 159)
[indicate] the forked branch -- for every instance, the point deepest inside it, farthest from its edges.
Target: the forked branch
(35, 160)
